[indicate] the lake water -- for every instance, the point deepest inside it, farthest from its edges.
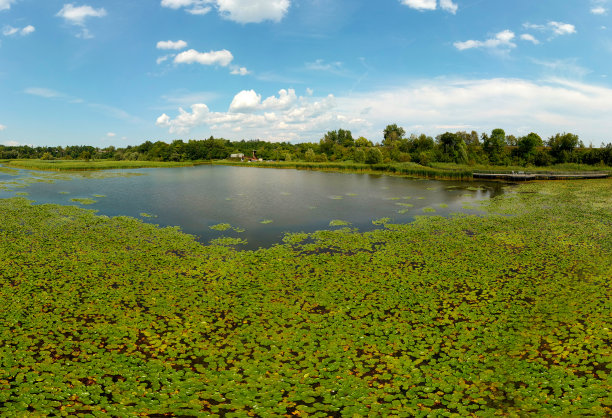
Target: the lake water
(265, 203)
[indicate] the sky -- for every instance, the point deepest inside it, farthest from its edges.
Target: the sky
(116, 72)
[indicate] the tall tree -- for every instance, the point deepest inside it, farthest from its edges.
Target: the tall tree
(494, 146)
(392, 133)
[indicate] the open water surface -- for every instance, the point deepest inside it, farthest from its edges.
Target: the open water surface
(196, 198)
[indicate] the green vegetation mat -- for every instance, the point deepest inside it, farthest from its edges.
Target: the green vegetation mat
(507, 313)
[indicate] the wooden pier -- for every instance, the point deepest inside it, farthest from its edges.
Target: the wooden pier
(521, 176)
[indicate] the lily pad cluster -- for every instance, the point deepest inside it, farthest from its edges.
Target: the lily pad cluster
(507, 313)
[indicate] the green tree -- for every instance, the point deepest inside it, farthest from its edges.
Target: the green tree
(494, 146)
(359, 156)
(374, 156)
(527, 146)
(562, 146)
(309, 155)
(392, 133)
(452, 147)
(363, 142)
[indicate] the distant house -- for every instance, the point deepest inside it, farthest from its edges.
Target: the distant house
(239, 155)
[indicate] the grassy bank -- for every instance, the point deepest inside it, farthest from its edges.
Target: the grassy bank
(472, 315)
(81, 165)
(558, 168)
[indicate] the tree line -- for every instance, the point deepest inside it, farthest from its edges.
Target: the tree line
(461, 147)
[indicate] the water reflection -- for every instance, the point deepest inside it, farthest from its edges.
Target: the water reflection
(264, 202)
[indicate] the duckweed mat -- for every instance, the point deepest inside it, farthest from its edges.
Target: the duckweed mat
(506, 314)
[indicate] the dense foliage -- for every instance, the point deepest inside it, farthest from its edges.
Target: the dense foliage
(339, 145)
(505, 313)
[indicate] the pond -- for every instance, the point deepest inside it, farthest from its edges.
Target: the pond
(256, 204)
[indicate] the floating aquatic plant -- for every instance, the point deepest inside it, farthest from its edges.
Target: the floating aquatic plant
(221, 227)
(83, 200)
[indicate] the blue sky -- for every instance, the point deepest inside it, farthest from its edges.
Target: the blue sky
(118, 72)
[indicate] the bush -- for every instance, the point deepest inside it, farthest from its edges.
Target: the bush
(374, 156)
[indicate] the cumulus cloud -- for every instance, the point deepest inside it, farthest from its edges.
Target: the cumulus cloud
(180, 44)
(6, 4)
(77, 15)
(111, 134)
(502, 39)
(241, 11)
(446, 5)
(245, 101)
(599, 10)
(2, 127)
(282, 117)
(430, 106)
(11, 31)
(222, 58)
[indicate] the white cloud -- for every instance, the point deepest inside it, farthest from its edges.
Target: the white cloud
(519, 106)
(10, 31)
(431, 106)
(421, 4)
(286, 117)
(2, 127)
(164, 58)
(253, 11)
(245, 101)
(286, 99)
(180, 44)
(239, 71)
(222, 58)
(6, 4)
(76, 15)
(560, 28)
(529, 38)
(449, 6)
(27, 30)
(111, 134)
(241, 11)
(500, 40)
(554, 28)
(599, 10)
(196, 7)
(446, 5)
